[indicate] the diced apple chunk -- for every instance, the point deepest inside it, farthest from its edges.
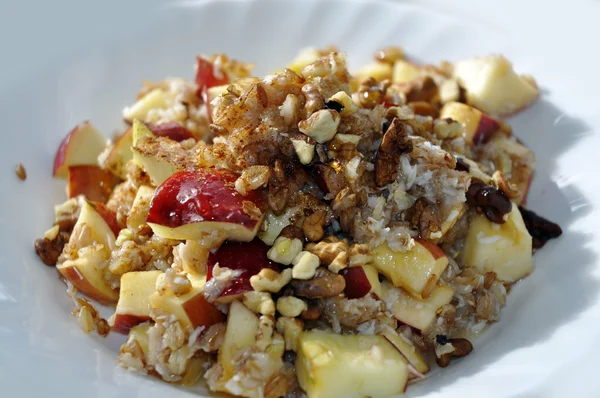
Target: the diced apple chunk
(493, 86)
(81, 146)
(407, 349)
(117, 156)
(349, 366)
(417, 270)
(273, 224)
(419, 314)
(90, 181)
(191, 309)
(405, 72)
(86, 272)
(155, 99)
(479, 127)
(361, 280)
(304, 58)
(134, 299)
(140, 207)
(155, 155)
(242, 326)
(377, 70)
(502, 248)
(214, 208)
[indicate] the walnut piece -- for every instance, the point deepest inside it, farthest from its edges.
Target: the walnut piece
(395, 142)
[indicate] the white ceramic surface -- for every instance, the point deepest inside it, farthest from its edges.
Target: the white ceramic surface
(65, 61)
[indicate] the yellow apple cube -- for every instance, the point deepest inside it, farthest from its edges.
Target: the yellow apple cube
(502, 248)
(331, 365)
(134, 299)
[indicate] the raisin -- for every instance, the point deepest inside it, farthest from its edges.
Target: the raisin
(489, 200)
(336, 106)
(540, 229)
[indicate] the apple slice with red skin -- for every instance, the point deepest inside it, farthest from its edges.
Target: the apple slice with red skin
(174, 131)
(134, 305)
(193, 204)
(205, 75)
(82, 145)
(108, 215)
(360, 281)
(90, 181)
(250, 257)
(120, 154)
(479, 127)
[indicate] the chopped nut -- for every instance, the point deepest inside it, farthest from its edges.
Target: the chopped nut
(328, 251)
(304, 149)
(389, 55)
(339, 262)
(259, 302)
(349, 107)
(321, 125)
(328, 180)
(178, 283)
(284, 250)
(264, 335)
(292, 232)
(369, 93)
(311, 314)
(324, 284)
(52, 233)
(313, 225)
(21, 173)
(252, 178)
(359, 255)
(488, 279)
(291, 329)
(504, 185)
(447, 129)
(395, 142)
(426, 218)
(423, 108)
(421, 89)
(291, 306)
(305, 265)
(403, 113)
(85, 319)
(290, 109)
(268, 280)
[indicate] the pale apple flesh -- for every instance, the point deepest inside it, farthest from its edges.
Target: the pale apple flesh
(120, 154)
(493, 86)
(191, 309)
(501, 248)
(87, 275)
(134, 304)
(479, 127)
(407, 349)
(81, 146)
(140, 207)
(419, 314)
(331, 365)
(242, 326)
(416, 270)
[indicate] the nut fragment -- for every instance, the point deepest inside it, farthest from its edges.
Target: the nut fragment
(49, 250)
(349, 107)
(311, 314)
(426, 218)
(504, 185)
(259, 302)
(291, 329)
(359, 255)
(290, 109)
(291, 306)
(447, 129)
(423, 108)
(305, 265)
(305, 150)
(328, 180)
(268, 280)
(85, 319)
(324, 284)
(328, 251)
(52, 233)
(321, 125)
(313, 225)
(252, 178)
(284, 250)
(395, 142)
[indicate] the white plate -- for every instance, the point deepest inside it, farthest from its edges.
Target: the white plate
(66, 61)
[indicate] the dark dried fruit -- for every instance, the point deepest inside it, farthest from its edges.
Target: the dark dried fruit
(394, 143)
(462, 347)
(49, 250)
(324, 284)
(336, 106)
(312, 313)
(441, 339)
(540, 229)
(289, 356)
(490, 200)
(426, 218)
(461, 165)
(423, 108)
(21, 173)
(443, 361)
